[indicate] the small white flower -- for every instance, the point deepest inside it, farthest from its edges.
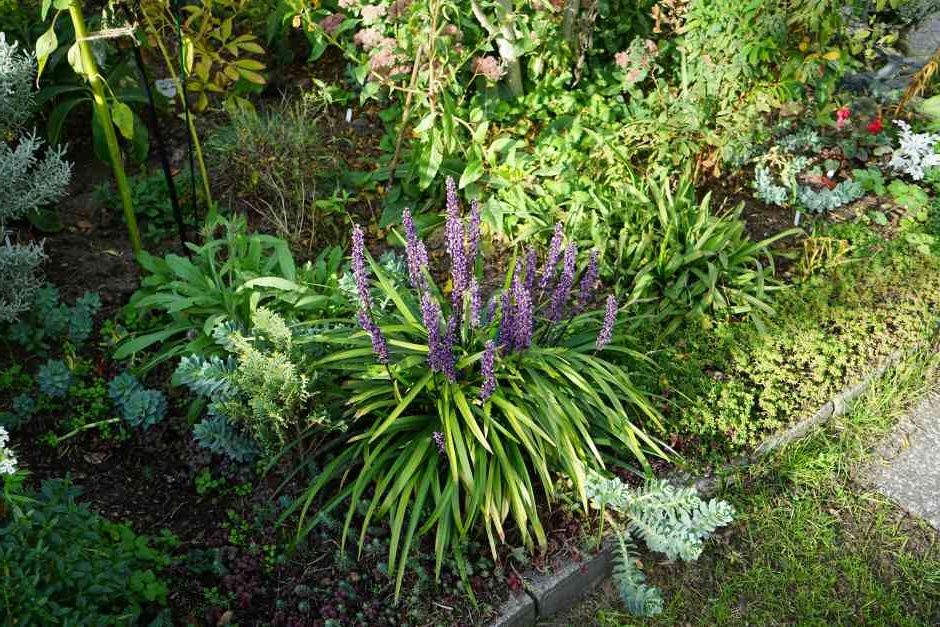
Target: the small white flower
(4, 437)
(7, 460)
(166, 87)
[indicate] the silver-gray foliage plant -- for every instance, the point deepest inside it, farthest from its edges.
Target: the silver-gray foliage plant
(28, 180)
(674, 521)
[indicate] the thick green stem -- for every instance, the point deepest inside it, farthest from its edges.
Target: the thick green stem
(104, 116)
(74, 432)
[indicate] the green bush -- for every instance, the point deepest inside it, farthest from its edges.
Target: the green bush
(63, 564)
(468, 411)
(226, 280)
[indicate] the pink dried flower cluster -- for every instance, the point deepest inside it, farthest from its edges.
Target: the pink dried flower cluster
(622, 59)
(489, 67)
(348, 4)
(371, 13)
(369, 38)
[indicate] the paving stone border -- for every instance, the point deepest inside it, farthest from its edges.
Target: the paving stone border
(546, 595)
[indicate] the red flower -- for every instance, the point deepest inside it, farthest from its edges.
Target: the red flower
(875, 127)
(842, 115)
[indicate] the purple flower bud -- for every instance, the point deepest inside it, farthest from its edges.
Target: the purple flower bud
(438, 438)
(475, 303)
(564, 283)
(554, 252)
(454, 235)
(359, 267)
(379, 346)
(487, 371)
(610, 317)
(588, 282)
(530, 261)
(415, 252)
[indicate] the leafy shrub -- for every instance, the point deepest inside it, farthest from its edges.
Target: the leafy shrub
(686, 259)
(672, 521)
(260, 389)
(462, 413)
(227, 279)
(64, 564)
(277, 162)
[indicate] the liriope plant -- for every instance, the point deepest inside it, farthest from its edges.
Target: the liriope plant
(673, 521)
(465, 404)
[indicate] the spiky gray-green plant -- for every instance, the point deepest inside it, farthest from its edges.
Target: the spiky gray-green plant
(144, 408)
(216, 434)
(137, 405)
(674, 521)
(54, 378)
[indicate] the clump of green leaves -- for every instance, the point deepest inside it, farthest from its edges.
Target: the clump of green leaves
(64, 564)
(690, 261)
(227, 279)
(673, 521)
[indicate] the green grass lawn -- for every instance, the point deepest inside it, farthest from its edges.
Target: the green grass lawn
(811, 545)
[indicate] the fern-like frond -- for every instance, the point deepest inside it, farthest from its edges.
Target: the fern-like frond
(639, 597)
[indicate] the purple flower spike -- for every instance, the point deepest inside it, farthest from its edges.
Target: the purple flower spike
(379, 347)
(588, 282)
(523, 316)
(438, 438)
(487, 365)
(475, 304)
(440, 355)
(415, 252)
(554, 252)
(531, 260)
(359, 267)
(454, 234)
(610, 317)
(564, 283)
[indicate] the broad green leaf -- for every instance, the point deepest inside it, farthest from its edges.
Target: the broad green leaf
(123, 119)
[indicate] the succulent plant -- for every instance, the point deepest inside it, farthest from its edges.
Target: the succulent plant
(54, 378)
(219, 436)
(144, 408)
(122, 388)
(24, 406)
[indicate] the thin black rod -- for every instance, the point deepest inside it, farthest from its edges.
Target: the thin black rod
(158, 136)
